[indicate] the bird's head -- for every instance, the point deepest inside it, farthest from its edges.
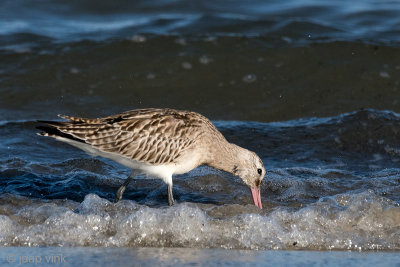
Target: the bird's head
(251, 170)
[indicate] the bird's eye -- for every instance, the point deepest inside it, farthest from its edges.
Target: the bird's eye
(259, 171)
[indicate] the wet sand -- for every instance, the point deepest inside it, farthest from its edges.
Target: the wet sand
(226, 78)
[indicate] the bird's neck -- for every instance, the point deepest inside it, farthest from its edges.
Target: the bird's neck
(225, 157)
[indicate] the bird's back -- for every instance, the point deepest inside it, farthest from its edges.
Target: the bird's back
(152, 136)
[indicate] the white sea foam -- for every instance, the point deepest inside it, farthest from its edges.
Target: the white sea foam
(360, 221)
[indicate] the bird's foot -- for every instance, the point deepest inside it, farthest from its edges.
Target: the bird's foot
(171, 202)
(119, 194)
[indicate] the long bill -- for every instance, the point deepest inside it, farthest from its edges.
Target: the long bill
(255, 192)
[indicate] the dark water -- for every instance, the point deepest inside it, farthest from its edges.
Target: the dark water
(313, 88)
(291, 21)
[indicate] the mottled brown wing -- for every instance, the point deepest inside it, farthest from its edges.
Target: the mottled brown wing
(144, 135)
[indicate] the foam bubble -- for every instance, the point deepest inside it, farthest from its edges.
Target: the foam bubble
(361, 221)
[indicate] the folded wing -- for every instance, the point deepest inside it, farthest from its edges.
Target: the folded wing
(146, 135)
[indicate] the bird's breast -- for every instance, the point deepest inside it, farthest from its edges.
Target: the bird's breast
(187, 163)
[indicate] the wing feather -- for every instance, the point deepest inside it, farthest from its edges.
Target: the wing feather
(155, 136)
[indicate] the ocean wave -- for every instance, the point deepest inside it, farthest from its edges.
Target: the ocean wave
(359, 222)
(293, 21)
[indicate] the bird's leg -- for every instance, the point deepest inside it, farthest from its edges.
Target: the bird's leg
(170, 196)
(121, 190)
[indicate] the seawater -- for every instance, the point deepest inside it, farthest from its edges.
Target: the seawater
(293, 21)
(312, 87)
(70, 256)
(358, 222)
(324, 190)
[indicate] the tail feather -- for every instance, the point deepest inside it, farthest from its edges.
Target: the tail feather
(70, 129)
(77, 119)
(51, 130)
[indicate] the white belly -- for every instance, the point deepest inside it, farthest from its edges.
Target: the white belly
(165, 171)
